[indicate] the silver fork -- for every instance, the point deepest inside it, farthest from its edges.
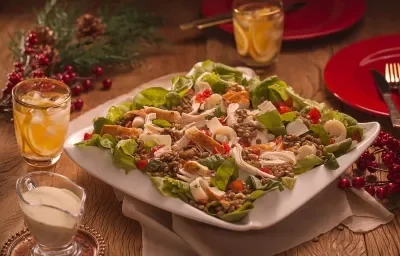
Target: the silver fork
(392, 74)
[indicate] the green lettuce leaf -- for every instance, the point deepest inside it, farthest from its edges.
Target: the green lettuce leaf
(182, 84)
(322, 134)
(289, 116)
(278, 91)
(252, 84)
(94, 141)
(355, 132)
(261, 92)
(331, 114)
(226, 172)
(105, 141)
(307, 164)
(223, 70)
(237, 215)
(212, 162)
(162, 123)
(331, 162)
(217, 84)
(123, 154)
(299, 102)
(339, 148)
(172, 99)
(272, 121)
(115, 113)
(288, 182)
(256, 184)
(172, 187)
(255, 195)
(99, 122)
(153, 96)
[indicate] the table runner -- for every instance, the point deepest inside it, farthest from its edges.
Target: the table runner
(168, 234)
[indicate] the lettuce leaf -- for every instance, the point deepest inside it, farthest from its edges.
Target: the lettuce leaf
(172, 187)
(99, 122)
(278, 91)
(212, 162)
(331, 114)
(172, 99)
(217, 84)
(115, 113)
(331, 162)
(237, 215)
(94, 141)
(105, 141)
(123, 154)
(261, 91)
(307, 164)
(339, 148)
(223, 70)
(272, 121)
(256, 184)
(355, 132)
(153, 96)
(299, 102)
(289, 116)
(226, 172)
(288, 182)
(322, 134)
(182, 84)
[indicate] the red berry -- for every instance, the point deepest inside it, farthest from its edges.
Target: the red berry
(107, 84)
(380, 193)
(78, 104)
(372, 167)
(72, 75)
(395, 168)
(390, 177)
(344, 183)
(358, 182)
(388, 158)
(362, 164)
(367, 156)
(34, 66)
(58, 76)
(66, 78)
(18, 64)
(68, 68)
(37, 73)
(14, 77)
(10, 85)
(28, 50)
(391, 188)
(32, 40)
(87, 85)
(77, 90)
(377, 142)
(98, 71)
(371, 189)
(43, 60)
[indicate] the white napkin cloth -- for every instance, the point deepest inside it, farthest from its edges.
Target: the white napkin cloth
(167, 234)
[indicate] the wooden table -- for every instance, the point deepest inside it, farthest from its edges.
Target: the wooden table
(300, 64)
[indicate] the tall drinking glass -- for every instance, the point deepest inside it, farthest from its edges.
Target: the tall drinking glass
(258, 29)
(41, 109)
(53, 206)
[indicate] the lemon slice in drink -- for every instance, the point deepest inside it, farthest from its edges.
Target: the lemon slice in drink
(241, 38)
(43, 137)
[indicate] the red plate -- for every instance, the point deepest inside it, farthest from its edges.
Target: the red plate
(347, 74)
(317, 18)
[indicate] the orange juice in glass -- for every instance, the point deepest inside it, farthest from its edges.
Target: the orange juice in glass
(258, 29)
(41, 109)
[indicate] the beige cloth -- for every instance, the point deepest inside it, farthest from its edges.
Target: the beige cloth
(170, 235)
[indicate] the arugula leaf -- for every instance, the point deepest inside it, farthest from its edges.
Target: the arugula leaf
(212, 162)
(272, 121)
(319, 130)
(307, 164)
(289, 116)
(234, 216)
(331, 162)
(226, 172)
(153, 96)
(162, 123)
(172, 99)
(123, 154)
(172, 187)
(99, 122)
(182, 84)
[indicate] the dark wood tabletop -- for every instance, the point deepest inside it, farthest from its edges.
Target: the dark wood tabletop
(301, 65)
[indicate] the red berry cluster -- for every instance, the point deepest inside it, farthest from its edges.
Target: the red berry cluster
(387, 149)
(35, 64)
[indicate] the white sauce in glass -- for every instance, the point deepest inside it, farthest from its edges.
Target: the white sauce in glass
(51, 227)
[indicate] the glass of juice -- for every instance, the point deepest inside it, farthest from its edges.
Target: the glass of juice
(258, 29)
(52, 206)
(41, 109)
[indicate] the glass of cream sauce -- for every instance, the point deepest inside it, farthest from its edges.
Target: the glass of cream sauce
(52, 206)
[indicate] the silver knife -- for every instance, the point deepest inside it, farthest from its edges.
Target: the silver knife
(385, 92)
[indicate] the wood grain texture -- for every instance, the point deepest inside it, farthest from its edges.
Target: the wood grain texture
(301, 64)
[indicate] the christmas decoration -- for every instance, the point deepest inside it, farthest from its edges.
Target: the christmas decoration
(76, 48)
(377, 171)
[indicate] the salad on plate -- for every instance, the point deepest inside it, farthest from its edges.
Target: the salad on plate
(219, 139)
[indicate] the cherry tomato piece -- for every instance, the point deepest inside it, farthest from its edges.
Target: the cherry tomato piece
(237, 186)
(141, 164)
